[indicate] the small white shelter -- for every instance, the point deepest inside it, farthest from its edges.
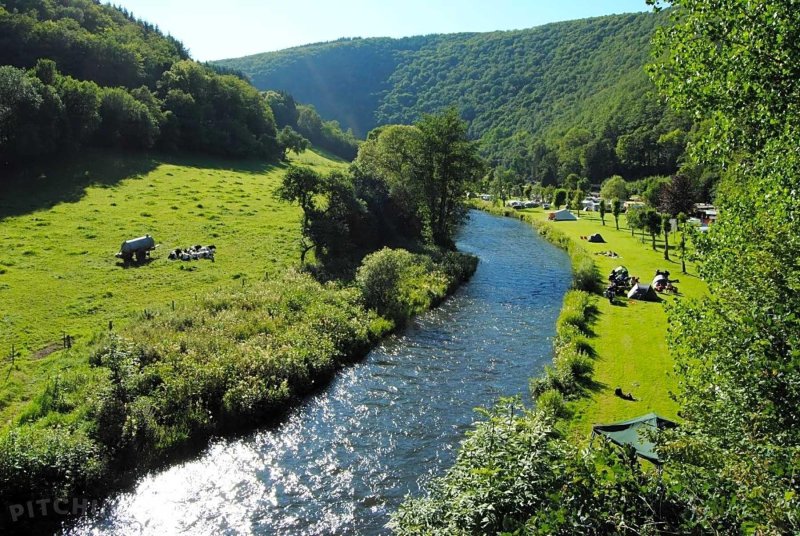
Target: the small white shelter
(562, 215)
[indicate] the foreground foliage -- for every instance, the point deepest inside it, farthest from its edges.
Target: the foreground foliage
(737, 458)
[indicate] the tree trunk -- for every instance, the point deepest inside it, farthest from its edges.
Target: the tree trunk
(666, 245)
(683, 250)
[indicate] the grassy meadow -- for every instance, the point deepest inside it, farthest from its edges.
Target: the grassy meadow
(61, 226)
(629, 338)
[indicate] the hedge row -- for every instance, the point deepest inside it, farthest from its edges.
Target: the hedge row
(572, 362)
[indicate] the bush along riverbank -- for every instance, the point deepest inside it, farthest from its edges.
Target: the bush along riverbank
(233, 359)
(517, 472)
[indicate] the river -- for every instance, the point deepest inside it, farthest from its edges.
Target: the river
(341, 462)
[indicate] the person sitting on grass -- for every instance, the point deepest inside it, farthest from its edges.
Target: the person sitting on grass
(610, 294)
(625, 396)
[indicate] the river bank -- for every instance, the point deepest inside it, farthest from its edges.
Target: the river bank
(628, 339)
(228, 362)
(344, 459)
(532, 468)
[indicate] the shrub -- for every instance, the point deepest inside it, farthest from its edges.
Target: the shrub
(584, 272)
(379, 278)
(551, 403)
(575, 362)
(53, 462)
(398, 284)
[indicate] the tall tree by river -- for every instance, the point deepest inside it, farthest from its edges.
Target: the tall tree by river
(736, 64)
(428, 169)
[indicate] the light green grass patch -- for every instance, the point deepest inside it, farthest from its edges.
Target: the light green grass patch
(630, 338)
(61, 228)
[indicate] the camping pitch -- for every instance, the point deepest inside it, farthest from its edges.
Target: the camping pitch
(562, 215)
(643, 292)
(635, 433)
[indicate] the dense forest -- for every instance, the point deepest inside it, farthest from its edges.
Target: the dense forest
(561, 99)
(80, 73)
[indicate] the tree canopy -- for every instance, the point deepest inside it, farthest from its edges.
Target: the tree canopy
(735, 65)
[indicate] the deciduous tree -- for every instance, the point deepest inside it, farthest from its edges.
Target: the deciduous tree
(603, 211)
(616, 208)
(614, 188)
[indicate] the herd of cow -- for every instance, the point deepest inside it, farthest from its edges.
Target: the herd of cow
(193, 253)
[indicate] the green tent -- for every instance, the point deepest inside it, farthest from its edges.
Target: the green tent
(631, 433)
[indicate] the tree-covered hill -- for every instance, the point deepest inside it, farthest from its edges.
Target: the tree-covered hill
(79, 73)
(87, 40)
(518, 89)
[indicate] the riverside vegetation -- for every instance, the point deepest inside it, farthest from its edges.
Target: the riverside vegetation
(731, 466)
(166, 379)
(242, 355)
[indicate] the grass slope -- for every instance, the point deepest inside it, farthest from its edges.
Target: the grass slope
(629, 337)
(60, 229)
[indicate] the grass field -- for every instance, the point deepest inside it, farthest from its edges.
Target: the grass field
(60, 229)
(629, 337)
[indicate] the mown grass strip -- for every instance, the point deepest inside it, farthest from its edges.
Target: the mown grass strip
(627, 340)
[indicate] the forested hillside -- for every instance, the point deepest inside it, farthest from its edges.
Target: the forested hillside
(569, 97)
(79, 73)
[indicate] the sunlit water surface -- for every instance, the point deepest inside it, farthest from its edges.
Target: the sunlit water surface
(345, 459)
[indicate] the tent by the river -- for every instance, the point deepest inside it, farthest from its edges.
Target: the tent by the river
(635, 433)
(643, 292)
(562, 215)
(597, 238)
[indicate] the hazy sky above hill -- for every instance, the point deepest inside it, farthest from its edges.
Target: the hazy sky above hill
(217, 30)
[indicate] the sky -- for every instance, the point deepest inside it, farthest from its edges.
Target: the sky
(217, 29)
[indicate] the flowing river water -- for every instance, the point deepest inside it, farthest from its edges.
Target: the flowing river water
(342, 461)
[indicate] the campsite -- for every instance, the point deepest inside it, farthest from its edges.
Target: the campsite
(400, 267)
(630, 339)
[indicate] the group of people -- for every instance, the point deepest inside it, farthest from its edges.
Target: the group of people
(662, 282)
(618, 281)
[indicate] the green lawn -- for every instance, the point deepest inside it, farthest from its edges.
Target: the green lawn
(630, 337)
(61, 226)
